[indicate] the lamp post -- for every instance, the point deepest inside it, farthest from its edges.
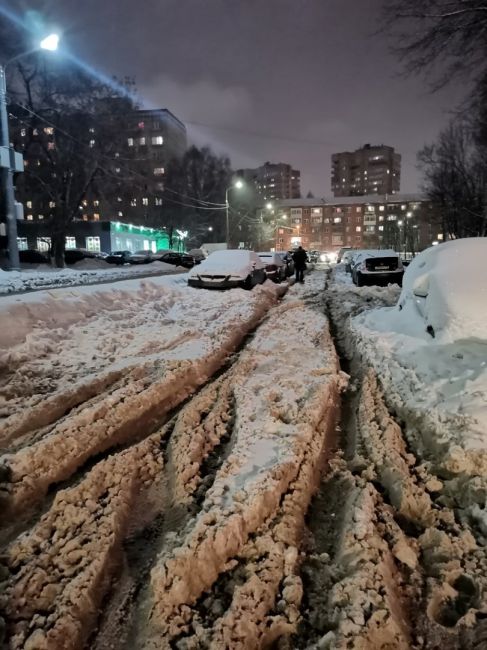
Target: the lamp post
(237, 185)
(8, 164)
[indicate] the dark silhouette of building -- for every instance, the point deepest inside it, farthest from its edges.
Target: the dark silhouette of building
(373, 169)
(273, 181)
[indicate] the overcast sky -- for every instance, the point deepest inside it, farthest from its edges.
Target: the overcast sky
(256, 72)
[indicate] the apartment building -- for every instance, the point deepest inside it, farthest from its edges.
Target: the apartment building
(400, 221)
(372, 169)
(273, 181)
(146, 141)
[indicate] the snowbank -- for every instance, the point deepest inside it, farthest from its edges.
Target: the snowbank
(88, 271)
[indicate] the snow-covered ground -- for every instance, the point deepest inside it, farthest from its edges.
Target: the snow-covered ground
(88, 271)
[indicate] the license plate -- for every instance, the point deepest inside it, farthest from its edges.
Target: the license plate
(381, 268)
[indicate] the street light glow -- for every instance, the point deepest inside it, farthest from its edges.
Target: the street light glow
(50, 43)
(210, 228)
(268, 206)
(238, 184)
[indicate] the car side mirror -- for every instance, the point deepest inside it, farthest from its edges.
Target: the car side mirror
(421, 287)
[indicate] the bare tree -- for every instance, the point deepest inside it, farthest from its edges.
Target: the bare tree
(445, 39)
(456, 181)
(67, 126)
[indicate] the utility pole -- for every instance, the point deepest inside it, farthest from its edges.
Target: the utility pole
(9, 163)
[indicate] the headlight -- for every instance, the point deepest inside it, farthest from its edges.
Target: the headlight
(323, 258)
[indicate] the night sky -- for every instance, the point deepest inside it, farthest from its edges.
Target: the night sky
(313, 71)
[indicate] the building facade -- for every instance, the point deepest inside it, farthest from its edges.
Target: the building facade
(98, 236)
(147, 140)
(405, 222)
(372, 169)
(273, 181)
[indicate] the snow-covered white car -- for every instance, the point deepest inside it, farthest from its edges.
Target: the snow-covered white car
(445, 291)
(380, 267)
(275, 267)
(228, 268)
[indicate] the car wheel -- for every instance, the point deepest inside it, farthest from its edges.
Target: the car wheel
(247, 283)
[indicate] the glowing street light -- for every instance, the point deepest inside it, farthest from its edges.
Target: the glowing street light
(14, 160)
(268, 206)
(238, 185)
(50, 43)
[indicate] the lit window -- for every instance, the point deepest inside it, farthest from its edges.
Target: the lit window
(23, 133)
(48, 130)
(158, 171)
(40, 217)
(381, 228)
(337, 220)
(358, 229)
(92, 144)
(358, 209)
(85, 217)
(145, 201)
(91, 129)
(141, 125)
(117, 170)
(119, 199)
(70, 242)
(22, 244)
(133, 203)
(96, 217)
(52, 204)
(30, 217)
(29, 204)
(403, 206)
(43, 244)
(440, 236)
(51, 146)
(120, 214)
(117, 155)
(84, 202)
(96, 203)
(392, 217)
(130, 142)
(35, 132)
(381, 208)
(142, 141)
(93, 244)
(158, 201)
(157, 139)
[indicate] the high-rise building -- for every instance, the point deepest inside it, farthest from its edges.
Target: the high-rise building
(146, 141)
(273, 181)
(372, 169)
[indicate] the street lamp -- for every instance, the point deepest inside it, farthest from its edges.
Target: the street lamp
(8, 163)
(238, 186)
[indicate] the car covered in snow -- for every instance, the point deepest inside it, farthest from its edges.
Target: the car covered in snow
(225, 269)
(275, 267)
(377, 267)
(444, 291)
(141, 257)
(341, 252)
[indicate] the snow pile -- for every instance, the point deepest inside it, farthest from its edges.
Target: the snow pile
(88, 271)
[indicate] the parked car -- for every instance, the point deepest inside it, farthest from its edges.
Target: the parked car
(347, 258)
(328, 257)
(275, 267)
(380, 267)
(178, 259)
(313, 256)
(118, 257)
(341, 252)
(287, 258)
(73, 255)
(141, 257)
(225, 269)
(198, 254)
(33, 257)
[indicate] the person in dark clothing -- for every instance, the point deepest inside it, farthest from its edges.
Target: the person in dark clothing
(300, 258)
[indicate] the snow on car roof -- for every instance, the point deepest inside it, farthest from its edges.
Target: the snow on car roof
(230, 260)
